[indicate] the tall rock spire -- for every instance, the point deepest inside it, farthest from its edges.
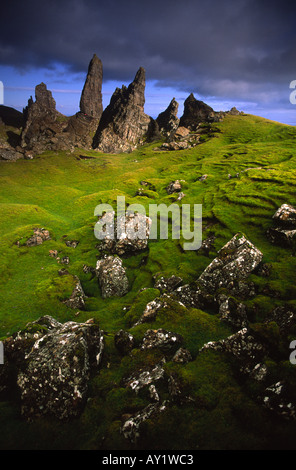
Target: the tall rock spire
(124, 124)
(91, 96)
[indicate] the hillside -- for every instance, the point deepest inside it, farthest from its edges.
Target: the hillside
(241, 172)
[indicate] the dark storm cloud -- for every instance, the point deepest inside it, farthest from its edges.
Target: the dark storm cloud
(243, 47)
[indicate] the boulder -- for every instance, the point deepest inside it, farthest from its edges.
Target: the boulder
(174, 187)
(124, 235)
(112, 277)
(283, 232)
(9, 154)
(53, 363)
(164, 340)
(235, 261)
(124, 124)
(77, 299)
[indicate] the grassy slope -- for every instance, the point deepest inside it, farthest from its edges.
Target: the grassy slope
(60, 192)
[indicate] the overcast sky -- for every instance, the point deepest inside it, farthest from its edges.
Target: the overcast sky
(228, 53)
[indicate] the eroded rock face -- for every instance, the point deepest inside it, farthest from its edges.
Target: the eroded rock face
(195, 112)
(124, 124)
(112, 277)
(164, 340)
(168, 120)
(91, 97)
(41, 121)
(54, 362)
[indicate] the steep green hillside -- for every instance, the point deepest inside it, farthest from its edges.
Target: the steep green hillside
(60, 192)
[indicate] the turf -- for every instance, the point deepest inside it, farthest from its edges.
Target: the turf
(59, 191)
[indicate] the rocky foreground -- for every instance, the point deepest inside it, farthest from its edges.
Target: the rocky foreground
(51, 363)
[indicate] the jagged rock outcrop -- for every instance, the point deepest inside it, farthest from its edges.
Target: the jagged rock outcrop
(124, 125)
(42, 122)
(47, 129)
(229, 270)
(196, 111)
(53, 363)
(168, 120)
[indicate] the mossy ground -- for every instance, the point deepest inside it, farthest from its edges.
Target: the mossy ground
(59, 191)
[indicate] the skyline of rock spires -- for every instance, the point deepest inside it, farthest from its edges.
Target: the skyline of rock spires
(91, 102)
(121, 127)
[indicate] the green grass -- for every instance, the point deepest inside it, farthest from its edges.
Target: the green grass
(59, 191)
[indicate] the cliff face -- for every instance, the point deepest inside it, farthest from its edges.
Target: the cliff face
(124, 124)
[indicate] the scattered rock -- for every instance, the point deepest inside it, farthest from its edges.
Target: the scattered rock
(125, 235)
(40, 236)
(284, 230)
(124, 342)
(235, 261)
(77, 299)
(112, 277)
(182, 356)
(131, 427)
(143, 378)
(162, 339)
(174, 187)
(10, 155)
(168, 284)
(277, 399)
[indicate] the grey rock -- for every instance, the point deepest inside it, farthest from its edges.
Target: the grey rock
(112, 277)
(123, 235)
(235, 261)
(124, 124)
(166, 341)
(53, 363)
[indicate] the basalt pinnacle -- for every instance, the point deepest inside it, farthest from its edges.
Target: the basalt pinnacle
(124, 124)
(91, 97)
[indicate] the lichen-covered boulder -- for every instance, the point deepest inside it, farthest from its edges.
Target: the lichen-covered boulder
(112, 277)
(54, 362)
(283, 232)
(235, 261)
